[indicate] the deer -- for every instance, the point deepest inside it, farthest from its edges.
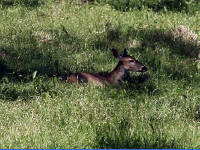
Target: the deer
(115, 77)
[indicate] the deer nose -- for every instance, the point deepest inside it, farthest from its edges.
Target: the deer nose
(144, 69)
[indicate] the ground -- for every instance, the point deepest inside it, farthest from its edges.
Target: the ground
(41, 46)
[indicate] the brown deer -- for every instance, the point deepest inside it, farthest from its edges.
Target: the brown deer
(126, 63)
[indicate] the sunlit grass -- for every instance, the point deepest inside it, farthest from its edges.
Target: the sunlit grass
(40, 47)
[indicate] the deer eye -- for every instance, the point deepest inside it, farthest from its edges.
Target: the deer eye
(131, 61)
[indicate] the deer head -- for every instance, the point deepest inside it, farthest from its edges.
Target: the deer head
(128, 62)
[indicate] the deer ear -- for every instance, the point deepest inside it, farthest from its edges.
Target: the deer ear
(116, 53)
(125, 52)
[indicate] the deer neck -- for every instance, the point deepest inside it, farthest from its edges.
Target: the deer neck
(116, 76)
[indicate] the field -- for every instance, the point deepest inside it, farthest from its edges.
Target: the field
(41, 46)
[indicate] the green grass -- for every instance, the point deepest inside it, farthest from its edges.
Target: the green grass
(38, 109)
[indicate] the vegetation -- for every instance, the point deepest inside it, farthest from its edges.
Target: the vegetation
(156, 5)
(42, 44)
(29, 3)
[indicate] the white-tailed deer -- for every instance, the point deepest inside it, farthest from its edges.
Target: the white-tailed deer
(126, 63)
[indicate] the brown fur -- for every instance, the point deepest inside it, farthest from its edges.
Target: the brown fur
(126, 63)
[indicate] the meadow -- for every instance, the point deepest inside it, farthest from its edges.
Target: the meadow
(41, 46)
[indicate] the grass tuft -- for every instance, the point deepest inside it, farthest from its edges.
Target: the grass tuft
(41, 46)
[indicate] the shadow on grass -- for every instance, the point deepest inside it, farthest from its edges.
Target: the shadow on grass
(44, 51)
(28, 4)
(47, 52)
(12, 93)
(119, 136)
(153, 46)
(140, 84)
(26, 91)
(43, 54)
(157, 6)
(4, 69)
(177, 45)
(116, 36)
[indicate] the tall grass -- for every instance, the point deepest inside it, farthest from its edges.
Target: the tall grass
(42, 46)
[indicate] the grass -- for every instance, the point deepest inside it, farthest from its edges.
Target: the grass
(41, 46)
